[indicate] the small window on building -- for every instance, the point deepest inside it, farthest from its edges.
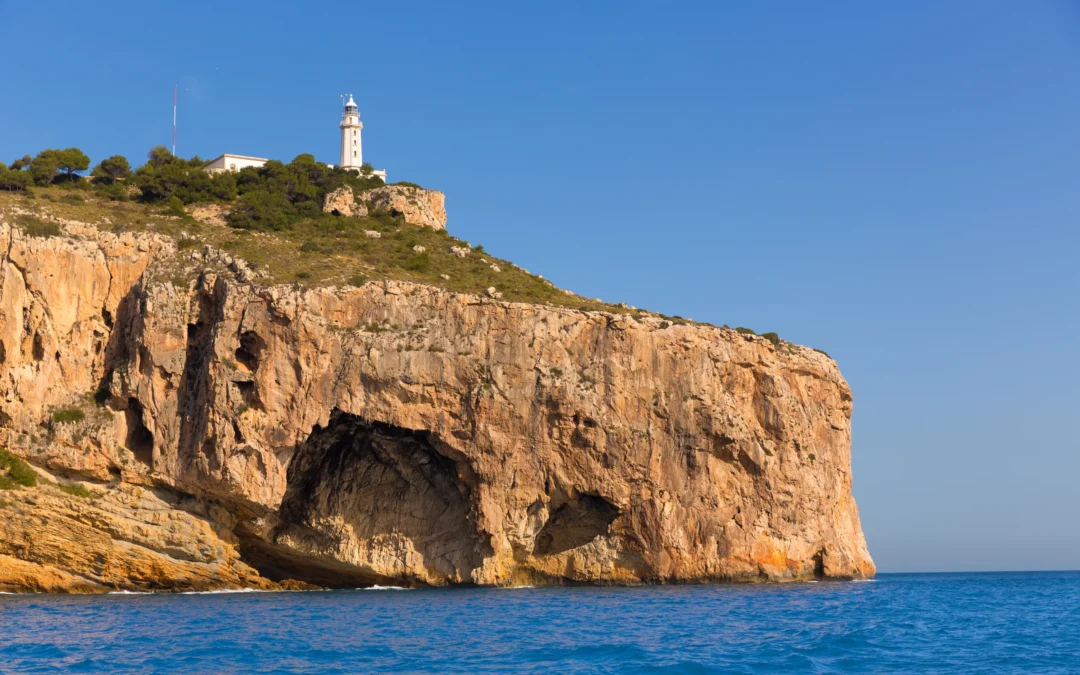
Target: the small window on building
(354, 153)
(232, 167)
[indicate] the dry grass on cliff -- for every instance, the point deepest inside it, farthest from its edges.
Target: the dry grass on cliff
(322, 251)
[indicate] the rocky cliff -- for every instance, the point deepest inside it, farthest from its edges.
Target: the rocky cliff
(193, 429)
(415, 205)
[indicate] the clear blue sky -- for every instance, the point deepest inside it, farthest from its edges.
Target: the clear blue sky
(895, 183)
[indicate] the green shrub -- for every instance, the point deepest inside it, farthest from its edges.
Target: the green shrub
(175, 207)
(303, 275)
(114, 192)
(76, 490)
(811, 457)
(21, 473)
(36, 227)
(68, 416)
(15, 181)
(744, 330)
(165, 176)
(418, 263)
(821, 351)
(358, 279)
(773, 338)
(260, 210)
(315, 247)
(73, 198)
(15, 472)
(112, 169)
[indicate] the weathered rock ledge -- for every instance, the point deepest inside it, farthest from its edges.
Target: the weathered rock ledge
(239, 435)
(415, 205)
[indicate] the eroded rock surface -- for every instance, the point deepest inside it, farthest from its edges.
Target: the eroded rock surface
(416, 205)
(342, 202)
(397, 433)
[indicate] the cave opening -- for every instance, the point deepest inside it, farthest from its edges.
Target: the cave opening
(819, 564)
(39, 347)
(251, 347)
(371, 503)
(249, 392)
(575, 523)
(139, 439)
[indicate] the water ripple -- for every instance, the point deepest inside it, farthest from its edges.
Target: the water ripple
(946, 623)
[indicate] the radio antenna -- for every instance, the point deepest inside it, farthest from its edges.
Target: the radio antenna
(174, 93)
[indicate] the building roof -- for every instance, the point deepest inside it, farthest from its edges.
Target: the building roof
(254, 159)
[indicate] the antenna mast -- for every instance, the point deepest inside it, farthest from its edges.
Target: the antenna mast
(174, 89)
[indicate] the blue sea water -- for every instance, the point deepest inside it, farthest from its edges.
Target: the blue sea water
(898, 623)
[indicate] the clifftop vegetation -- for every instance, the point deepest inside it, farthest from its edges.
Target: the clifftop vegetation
(272, 218)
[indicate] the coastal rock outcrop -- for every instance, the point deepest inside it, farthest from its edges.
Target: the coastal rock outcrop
(244, 435)
(342, 202)
(416, 205)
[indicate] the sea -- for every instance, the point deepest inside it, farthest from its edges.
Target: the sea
(896, 623)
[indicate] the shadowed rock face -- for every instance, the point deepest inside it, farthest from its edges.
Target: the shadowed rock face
(401, 434)
(575, 523)
(358, 490)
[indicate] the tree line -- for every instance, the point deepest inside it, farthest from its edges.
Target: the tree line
(270, 197)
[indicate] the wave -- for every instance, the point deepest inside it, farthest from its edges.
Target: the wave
(377, 587)
(130, 593)
(222, 591)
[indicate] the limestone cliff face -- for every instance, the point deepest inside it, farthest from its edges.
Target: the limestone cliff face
(398, 433)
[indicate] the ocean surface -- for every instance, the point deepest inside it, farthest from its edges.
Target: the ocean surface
(897, 623)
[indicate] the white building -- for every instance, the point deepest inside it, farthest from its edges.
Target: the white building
(352, 152)
(352, 147)
(229, 162)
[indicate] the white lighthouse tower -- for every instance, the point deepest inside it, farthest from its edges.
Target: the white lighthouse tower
(352, 153)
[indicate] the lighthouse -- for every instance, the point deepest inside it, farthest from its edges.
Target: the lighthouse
(352, 153)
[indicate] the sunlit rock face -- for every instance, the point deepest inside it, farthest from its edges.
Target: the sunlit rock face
(399, 433)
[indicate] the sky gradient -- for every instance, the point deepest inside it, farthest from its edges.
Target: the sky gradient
(894, 183)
